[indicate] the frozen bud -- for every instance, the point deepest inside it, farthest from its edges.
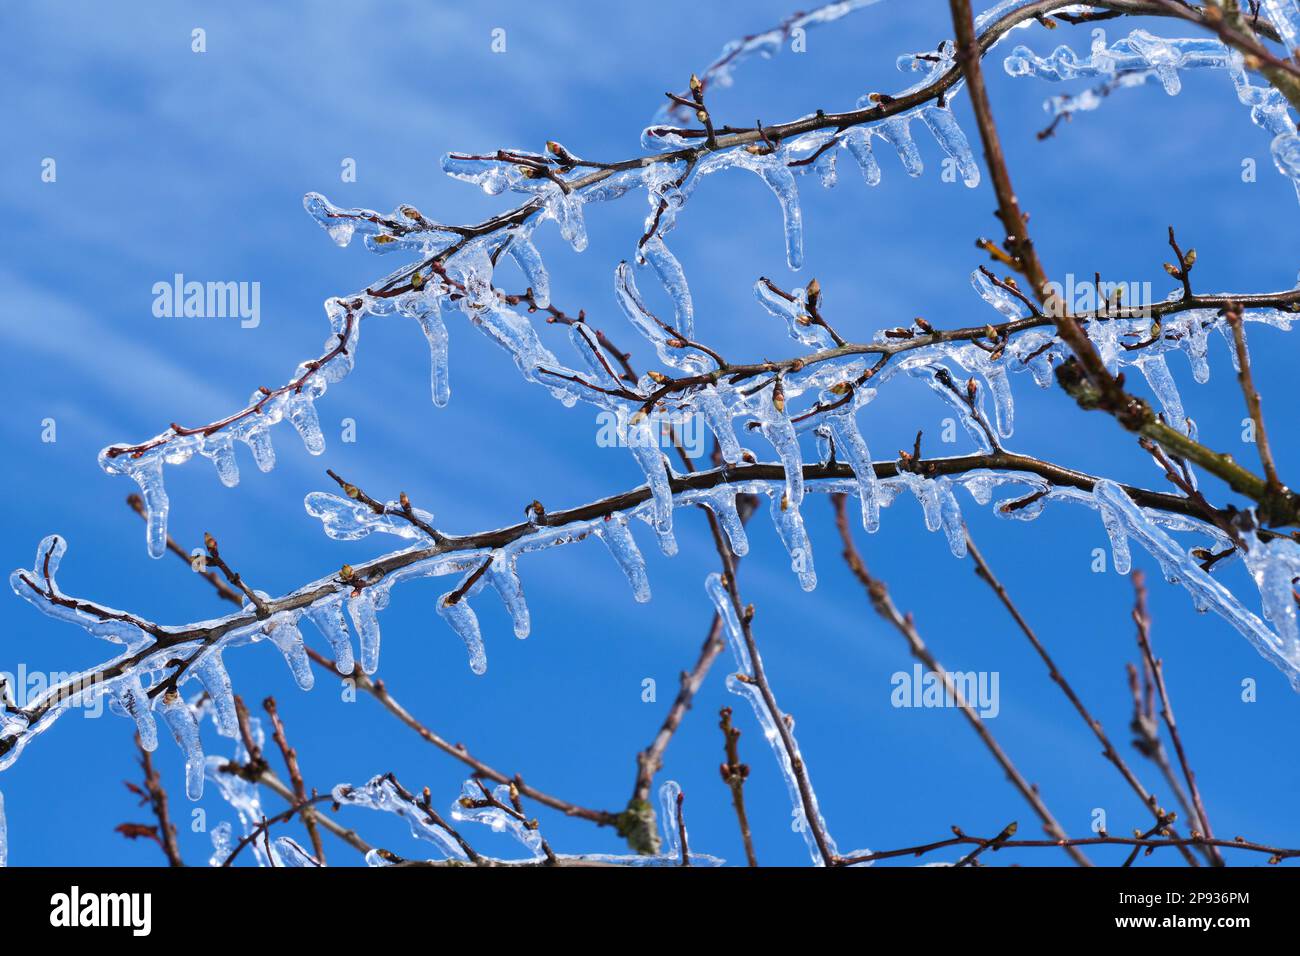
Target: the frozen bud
(1189, 259)
(352, 491)
(702, 115)
(382, 239)
(417, 281)
(991, 332)
(923, 325)
(696, 85)
(659, 377)
(1172, 270)
(554, 148)
(778, 396)
(410, 212)
(404, 501)
(346, 572)
(841, 388)
(804, 320)
(210, 543)
(814, 289)
(971, 389)
(785, 501)
(527, 172)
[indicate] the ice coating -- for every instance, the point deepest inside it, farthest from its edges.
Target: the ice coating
(743, 685)
(180, 719)
(380, 793)
(1141, 57)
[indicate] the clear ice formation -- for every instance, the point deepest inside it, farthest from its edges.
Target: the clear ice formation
(464, 286)
(742, 684)
(1142, 57)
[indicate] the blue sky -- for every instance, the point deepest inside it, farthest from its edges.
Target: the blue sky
(170, 161)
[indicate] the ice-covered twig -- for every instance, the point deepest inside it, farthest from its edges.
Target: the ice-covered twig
(885, 607)
(1146, 843)
(149, 646)
(1142, 618)
(985, 573)
(734, 775)
(457, 261)
(764, 44)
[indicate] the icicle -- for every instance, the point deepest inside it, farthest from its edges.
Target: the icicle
(134, 701)
(858, 142)
(710, 404)
(521, 249)
(642, 440)
(504, 575)
(775, 425)
(850, 445)
(665, 264)
(462, 619)
(722, 502)
(780, 180)
(436, 332)
(329, 620)
(1004, 406)
(219, 448)
(950, 515)
(258, 439)
(284, 634)
(789, 525)
(180, 718)
(302, 413)
(366, 623)
(953, 141)
(211, 673)
(927, 495)
(726, 610)
(1166, 391)
(896, 132)
(618, 538)
(148, 474)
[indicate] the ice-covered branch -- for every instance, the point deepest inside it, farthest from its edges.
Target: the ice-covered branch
(454, 273)
(144, 677)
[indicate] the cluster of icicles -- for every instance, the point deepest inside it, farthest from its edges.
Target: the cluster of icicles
(380, 793)
(1141, 57)
(469, 273)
